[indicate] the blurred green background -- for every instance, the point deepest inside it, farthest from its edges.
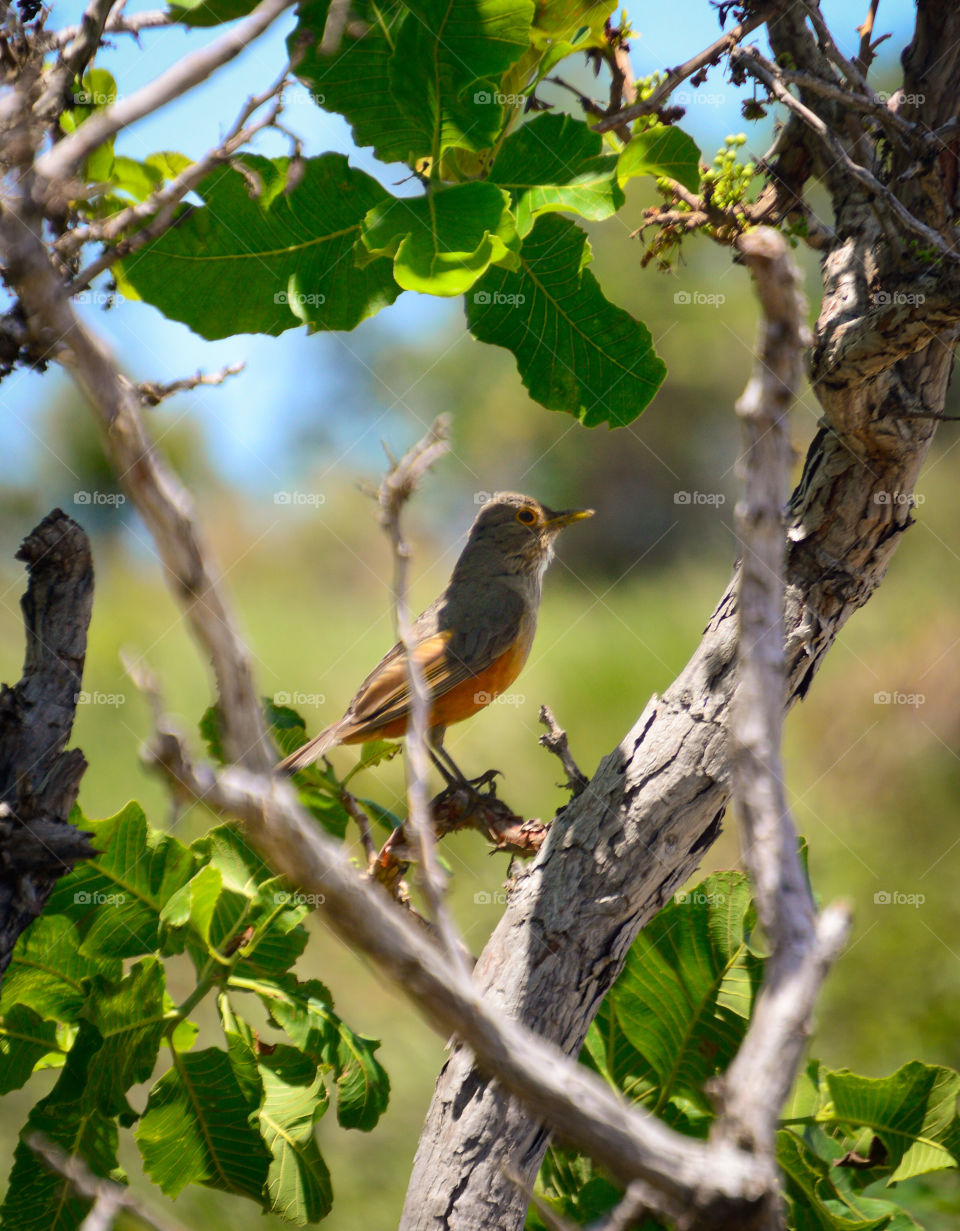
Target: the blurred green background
(874, 783)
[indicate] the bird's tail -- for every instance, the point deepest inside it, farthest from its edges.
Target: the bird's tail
(313, 749)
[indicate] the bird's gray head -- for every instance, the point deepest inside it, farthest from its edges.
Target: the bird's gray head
(514, 534)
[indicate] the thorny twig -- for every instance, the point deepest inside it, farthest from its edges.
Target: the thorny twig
(152, 392)
(555, 741)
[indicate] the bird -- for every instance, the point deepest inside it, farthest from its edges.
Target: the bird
(471, 643)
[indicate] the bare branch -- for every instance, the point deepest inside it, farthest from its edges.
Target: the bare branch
(398, 486)
(109, 1199)
(68, 154)
(628, 1141)
(152, 392)
(802, 950)
(750, 59)
(676, 76)
(117, 23)
(555, 741)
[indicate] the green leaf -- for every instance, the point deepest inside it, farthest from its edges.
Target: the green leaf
(371, 110)
(913, 1112)
(555, 162)
(377, 751)
(288, 1090)
(25, 1038)
(575, 1188)
(441, 243)
(305, 1012)
(37, 1199)
(129, 1018)
(116, 899)
(211, 732)
(447, 64)
(209, 12)
(686, 991)
(818, 1203)
(575, 350)
(266, 262)
(195, 1129)
(294, 1099)
(48, 972)
(661, 150)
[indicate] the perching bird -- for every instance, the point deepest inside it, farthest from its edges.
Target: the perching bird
(471, 642)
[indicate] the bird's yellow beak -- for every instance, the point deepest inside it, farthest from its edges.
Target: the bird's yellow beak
(566, 516)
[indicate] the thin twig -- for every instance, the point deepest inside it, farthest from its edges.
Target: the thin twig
(802, 947)
(355, 808)
(116, 23)
(676, 76)
(866, 54)
(750, 59)
(399, 484)
(68, 154)
(75, 57)
(555, 741)
(109, 1199)
(152, 392)
(832, 51)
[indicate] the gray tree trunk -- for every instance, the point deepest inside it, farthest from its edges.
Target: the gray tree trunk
(618, 851)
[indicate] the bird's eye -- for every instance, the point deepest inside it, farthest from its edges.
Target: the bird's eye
(527, 516)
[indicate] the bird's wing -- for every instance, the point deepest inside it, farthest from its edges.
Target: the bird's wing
(447, 655)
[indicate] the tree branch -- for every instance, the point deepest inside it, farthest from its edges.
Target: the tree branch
(64, 158)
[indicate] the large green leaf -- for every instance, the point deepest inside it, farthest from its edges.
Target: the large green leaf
(555, 162)
(356, 80)
(294, 1098)
(129, 1018)
(305, 1012)
(195, 1129)
(116, 898)
(447, 64)
(687, 988)
(661, 150)
(288, 1089)
(37, 1199)
(442, 242)
(256, 259)
(914, 1112)
(210, 12)
(48, 972)
(575, 350)
(25, 1038)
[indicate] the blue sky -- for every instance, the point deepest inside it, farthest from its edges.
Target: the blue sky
(294, 380)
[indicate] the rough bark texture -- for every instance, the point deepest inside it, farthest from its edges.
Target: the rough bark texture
(618, 851)
(38, 779)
